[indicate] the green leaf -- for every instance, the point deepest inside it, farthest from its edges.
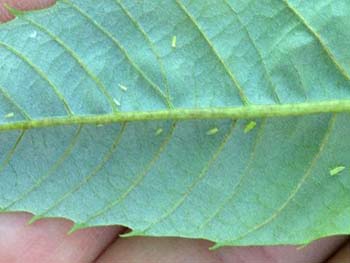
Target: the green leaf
(205, 119)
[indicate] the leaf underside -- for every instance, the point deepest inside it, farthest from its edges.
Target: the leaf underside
(223, 177)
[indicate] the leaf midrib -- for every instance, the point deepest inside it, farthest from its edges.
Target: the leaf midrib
(240, 112)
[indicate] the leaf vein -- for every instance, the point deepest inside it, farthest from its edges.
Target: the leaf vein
(149, 41)
(86, 179)
(272, 85)
(41, 74)
(154, 86)
(14, 103)
(12, 151)
(319, 39)
(241, 179)
(296, 190)
(197, 180)
(51, 170)
(139, 178)
(82, 65)
(231, 75)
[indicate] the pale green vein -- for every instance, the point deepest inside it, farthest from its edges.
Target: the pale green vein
(276, 43)
(318, 37)
(137, 181)
(197, 180)
(242, 177)
(149, 41)
(12, 151)
(108, 155)
(240, 90)
(154, 86)
(267, 73)
(41, 74)
(72, 53)
(299, 79)
(50, 171)
(301, 182)
(243, 112)
(14, 103)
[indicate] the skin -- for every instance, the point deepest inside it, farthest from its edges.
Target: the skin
(47, 240)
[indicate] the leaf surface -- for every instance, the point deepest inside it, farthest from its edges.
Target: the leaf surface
(221, 120)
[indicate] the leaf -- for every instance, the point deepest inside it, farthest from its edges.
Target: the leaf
(107, 121)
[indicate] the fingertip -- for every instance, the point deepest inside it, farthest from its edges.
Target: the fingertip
(148, 249)
(46, 240)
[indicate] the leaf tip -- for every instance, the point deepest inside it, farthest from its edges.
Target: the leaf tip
(35, 219)
(75, 228)
(302, 246)
(133, 233)
(216, 246)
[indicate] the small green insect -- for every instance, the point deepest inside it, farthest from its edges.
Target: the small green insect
(33, 34)
(250, 126)
(116, 102)
(99, 125)
(212, 131)
(10, 115)
(159, 131)
(123, 88)
(336, 170)
(173, 42)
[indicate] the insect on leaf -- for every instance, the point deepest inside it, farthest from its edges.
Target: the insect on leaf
(105, 124)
